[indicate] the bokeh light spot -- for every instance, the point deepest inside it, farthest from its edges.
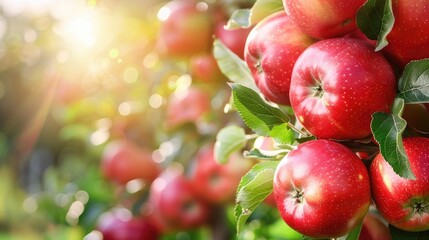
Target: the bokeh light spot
(30, 205)
(94, 235)
(134, 186)
(163, 14)
(155, 101)
(183, 83)
(74, 212)
(202, 6)
(113, 53)
(82, 196)
(131, 75)
(30, 36)
(99, 137)
(150, 60)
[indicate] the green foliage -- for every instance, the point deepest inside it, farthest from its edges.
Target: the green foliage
(414, 83)
(375, 19)
(244, 18)
(354, 233)
(260, 116)
(281, 231)
(387, 130)
(228, 140)
(232, 66)
(254, 187)
(240, 18)
(263, 8)
(266, 154)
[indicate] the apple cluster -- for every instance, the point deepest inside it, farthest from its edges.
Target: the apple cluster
(312, 57)
(177, 200)
(320, 64)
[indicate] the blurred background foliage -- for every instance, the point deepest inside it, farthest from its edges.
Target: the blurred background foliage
(72, 75)
(75, 75)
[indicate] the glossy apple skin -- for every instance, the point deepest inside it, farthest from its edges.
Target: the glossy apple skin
(336, 85)
(204, 68)
(115, 227)
(123, 161)
(271, 50)
(358, 34)
(374, 229)
(333, 184)
(217, 183)
(185, 28)
(409, 38)
(175, 203)
(395, 196)
(234, 39)
(188, 107)
(324, 19)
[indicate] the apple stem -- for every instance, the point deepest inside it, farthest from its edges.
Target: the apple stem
(258, 67)
(302, 133)
(318, 91)
(299, 196)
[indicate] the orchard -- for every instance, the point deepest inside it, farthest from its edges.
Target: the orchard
(214, 119)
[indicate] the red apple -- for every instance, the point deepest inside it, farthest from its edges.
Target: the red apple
(336, 86)
(234, 39)
(175, 203)
(120, 225)
(374, 229)
(123, 161)
(358, 34)
(271, 50)
(214, 182)
(404, 203)
(186, 28)
(362, 155)
(324, 19)
(322, 189)
(188, 106)
(409, 38)
(204, 68)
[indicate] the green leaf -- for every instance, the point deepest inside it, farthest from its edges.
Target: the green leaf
(375, 19)
(266, 154)
(244, 18)
(232, 65)
(254, 187)
(228, 140)
(262, 118)
(387, 130)
(263, 8)
(398, 234)
(354, 233)
(240, 18)
(414, 83)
